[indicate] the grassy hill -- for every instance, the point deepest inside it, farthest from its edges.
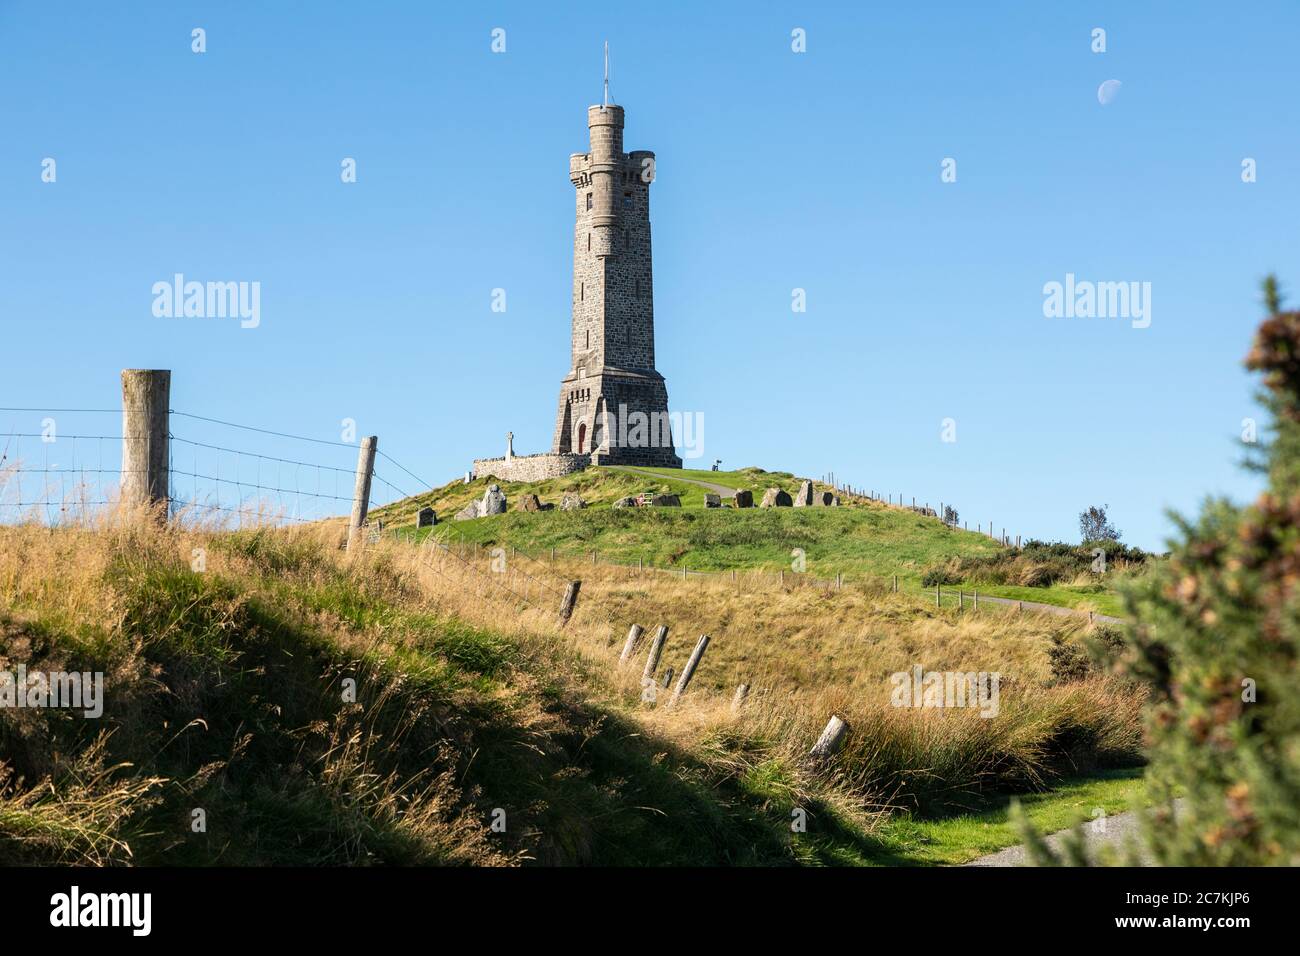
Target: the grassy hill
(320, 708)
(865, 541)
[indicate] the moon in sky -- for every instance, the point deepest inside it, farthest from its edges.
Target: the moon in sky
(1107, 92)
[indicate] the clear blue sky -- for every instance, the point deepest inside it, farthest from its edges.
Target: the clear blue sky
(776, 170)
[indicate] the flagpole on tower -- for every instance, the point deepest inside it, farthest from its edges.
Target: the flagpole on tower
(606, 100)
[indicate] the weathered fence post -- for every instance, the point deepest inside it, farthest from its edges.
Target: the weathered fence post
(831, 738)
(146, 426)
(739, 700)
(977, 600)
(656, 648)
(668, 678)
(629, 646)
(689, 670)
(570, 599)
(960, 601)
(936, 596)
(361, 491)
(1089, 617)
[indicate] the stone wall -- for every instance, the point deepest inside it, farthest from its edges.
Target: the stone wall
(530, 467)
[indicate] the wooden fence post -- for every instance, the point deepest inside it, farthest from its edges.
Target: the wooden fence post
(977, 600)
(629, 646)
(895, 583)
(936, 596)
(146, 427)
(738, 701)
(831, 738)
(656, 649)
(361, 491)
(668, 678)
(960, 603)
(570, 599)
(689, 670)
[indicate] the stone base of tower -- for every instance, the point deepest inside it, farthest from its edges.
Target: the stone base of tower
(618, 417)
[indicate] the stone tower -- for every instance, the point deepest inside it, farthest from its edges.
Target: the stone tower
(613, 404)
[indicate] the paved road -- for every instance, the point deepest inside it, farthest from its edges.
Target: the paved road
(722, 490)
(1120, 829)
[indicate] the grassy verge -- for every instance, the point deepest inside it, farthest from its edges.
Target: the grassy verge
(908, 840)
(1094, 597)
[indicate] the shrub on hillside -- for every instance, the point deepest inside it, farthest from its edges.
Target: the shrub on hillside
(1217, 641)
(1038, 564)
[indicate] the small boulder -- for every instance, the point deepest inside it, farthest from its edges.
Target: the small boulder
(775, 498)
(528, 502)
(804, 496)
(712, 501)
(426, 518)
(823, 499)
(666, 501)
(743, 499)
(572, 502)
(469, 511)
(494, 502)
(628, 502)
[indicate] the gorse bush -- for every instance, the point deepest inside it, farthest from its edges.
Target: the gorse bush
(1038, 564)
(1217, 643)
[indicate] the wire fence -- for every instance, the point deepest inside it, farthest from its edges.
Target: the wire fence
(64, 465)
(945, 512)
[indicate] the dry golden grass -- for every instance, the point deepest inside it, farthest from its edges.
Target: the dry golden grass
(810, 652)
(806, 652)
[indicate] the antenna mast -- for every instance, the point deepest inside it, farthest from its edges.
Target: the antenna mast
(606, 100)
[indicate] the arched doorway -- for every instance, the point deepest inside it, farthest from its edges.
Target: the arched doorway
(582, 437)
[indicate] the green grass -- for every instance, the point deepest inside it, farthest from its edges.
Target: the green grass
(1097, 597)
(864, 541)
(906, 840)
